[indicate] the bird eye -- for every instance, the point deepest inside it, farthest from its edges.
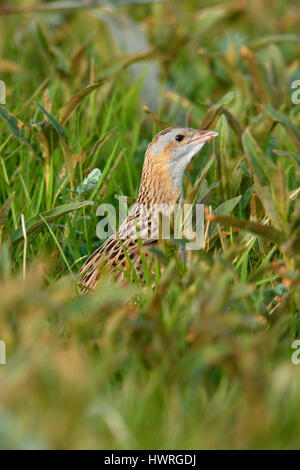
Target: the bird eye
(179, 137)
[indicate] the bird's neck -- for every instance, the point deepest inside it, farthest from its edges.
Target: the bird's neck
(157, 185)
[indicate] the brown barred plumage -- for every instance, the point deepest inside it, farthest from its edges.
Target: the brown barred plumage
(165, 160)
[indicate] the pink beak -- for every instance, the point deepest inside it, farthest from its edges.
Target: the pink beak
(205, 136)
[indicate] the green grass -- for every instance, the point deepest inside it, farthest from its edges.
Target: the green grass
(201, 357)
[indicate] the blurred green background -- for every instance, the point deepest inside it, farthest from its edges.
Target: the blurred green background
(202, 356)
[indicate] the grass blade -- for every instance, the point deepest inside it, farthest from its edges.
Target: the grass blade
(35, 224)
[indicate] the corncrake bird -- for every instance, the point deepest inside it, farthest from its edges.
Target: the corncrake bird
(166, 158)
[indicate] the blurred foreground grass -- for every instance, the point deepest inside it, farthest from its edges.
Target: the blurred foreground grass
(203, 359)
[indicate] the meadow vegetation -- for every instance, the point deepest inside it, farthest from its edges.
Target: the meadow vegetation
(201, 356)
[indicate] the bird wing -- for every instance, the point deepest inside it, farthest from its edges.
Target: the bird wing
(111, 255)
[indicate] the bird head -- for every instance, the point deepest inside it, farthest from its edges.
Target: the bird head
(172, 149)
